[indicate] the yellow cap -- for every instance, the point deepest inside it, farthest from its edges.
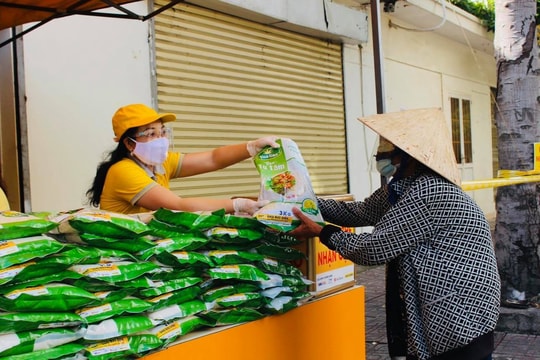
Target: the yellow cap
(135, 115)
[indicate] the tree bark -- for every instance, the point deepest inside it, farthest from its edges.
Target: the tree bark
(517, 227)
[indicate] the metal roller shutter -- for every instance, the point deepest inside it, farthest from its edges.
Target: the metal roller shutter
(230, 80)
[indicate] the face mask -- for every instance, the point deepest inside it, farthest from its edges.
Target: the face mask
(153, 152)
(386, 168)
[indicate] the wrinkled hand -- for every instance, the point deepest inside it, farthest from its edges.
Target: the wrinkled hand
(254, 146)
(247, 206)
(307, 228)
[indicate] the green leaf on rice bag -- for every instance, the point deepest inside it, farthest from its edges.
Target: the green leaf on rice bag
(18, 251)
(286, 184)
(93, 285)
(124, 347)
(184, 259)
(229, 257)
(48, 297)
(177, 311)
(248, 299)
(107, 224)
(101, 312)
(174, 297)
(280, 252)
(278, 267)
(188, 220)
(118, 326)
(14, 224)
(284, 280)
(171, 331)
(238, 271)
(113, 272)
(157, 288)
(232, 235)
(33, 340)
(65, 351)
(178, 242)
(24, 321)
(129, 245)
(219, 317)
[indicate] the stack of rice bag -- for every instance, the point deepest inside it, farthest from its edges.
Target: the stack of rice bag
(90, 284)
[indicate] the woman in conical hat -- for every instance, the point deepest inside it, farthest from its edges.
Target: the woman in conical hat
(443, 287)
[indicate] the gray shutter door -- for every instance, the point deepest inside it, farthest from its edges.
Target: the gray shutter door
(230, 80)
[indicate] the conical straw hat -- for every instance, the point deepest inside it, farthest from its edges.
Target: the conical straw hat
(421, 133)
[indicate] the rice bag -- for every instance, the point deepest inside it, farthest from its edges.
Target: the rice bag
(118, 326)
(14, 224)
(48, 297)
(65, 351)
(286, 184)
(124, 347)
(245, 300)
(229, 257)
(172, 243)
(24, 321)
(18, 251)
(101, 223)
(219, 317)
(177, 311)
(113, 272)
(172, 330)
(101, 312)
(34, 340)
(232, 235)
(157, 288)
(174, 297)
(188, 220)
(238, 271)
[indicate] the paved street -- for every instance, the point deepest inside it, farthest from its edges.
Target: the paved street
(508, 346)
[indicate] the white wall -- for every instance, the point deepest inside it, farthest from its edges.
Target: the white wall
(78, 71)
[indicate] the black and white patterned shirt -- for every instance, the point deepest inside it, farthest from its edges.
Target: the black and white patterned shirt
(442, 242)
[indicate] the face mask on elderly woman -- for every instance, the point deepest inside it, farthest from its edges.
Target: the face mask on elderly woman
(385, 151)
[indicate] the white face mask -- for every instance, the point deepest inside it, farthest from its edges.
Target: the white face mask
(153, 152)
(386, 168)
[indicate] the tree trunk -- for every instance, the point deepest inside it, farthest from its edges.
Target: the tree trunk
(517, 117)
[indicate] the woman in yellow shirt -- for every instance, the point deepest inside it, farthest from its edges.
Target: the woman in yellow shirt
(135, 176)
(4, 204)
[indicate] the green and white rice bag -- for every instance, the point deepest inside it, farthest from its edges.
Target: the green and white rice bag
(118, 326)
(157, 288)
(248, 299)
(171, 331)
(113, 272)
(125, 347)
(69, 351)
(48, 297)
(284, 280)
(177, 311)
(184, 259)
(107, 224)
(286, 184)
(21, 250)
(239, 272)
(220, 317)
(174, 297)
(230, 235)
(278, 267)
(14, 224)
(173, 243)
(129, 304)
(220, 291)
(282, 253)
(229, 257)
(188, 220)
(24, 321)
(131, 245)
(34, 340)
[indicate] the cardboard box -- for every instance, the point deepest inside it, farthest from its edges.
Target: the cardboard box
(328, 270)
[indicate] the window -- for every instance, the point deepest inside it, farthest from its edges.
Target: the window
(461, 129)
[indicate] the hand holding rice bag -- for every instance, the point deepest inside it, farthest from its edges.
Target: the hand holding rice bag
(286, 184)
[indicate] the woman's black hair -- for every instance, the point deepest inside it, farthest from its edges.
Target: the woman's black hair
(94, 193)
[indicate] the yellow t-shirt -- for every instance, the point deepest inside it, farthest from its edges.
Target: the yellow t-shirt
(4, 203)
(126, 182)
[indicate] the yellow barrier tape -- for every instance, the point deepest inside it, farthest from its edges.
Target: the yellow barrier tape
(506, 178)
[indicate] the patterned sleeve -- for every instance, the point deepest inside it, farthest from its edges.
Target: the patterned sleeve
(400, 229)
(355, 213)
